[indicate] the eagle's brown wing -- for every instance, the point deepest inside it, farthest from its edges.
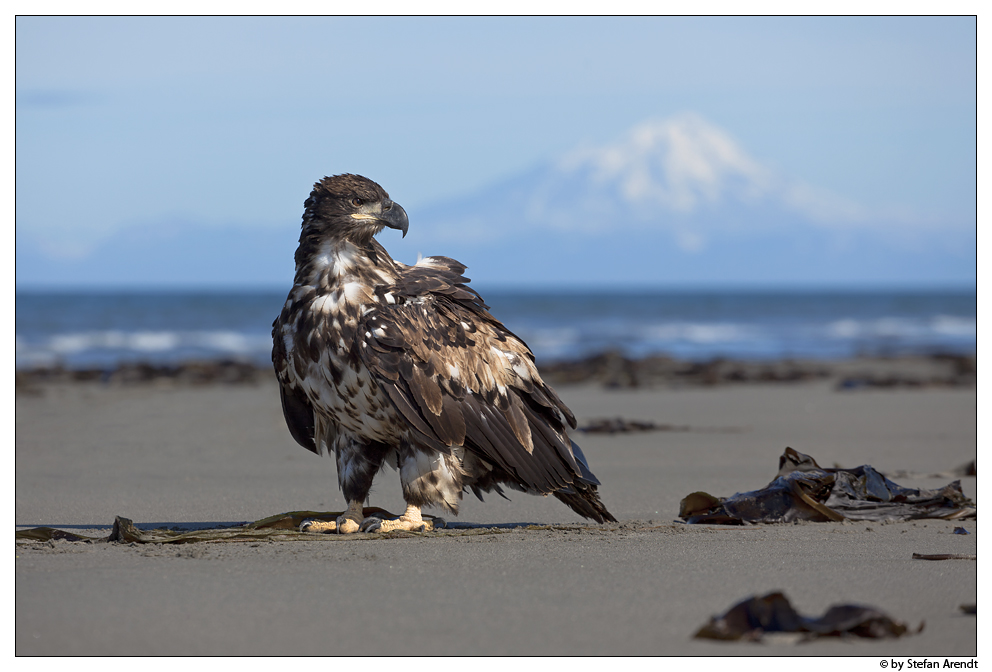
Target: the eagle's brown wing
(296, 408)
(458, 377)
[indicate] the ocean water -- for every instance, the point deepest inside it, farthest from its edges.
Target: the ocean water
(104, 329)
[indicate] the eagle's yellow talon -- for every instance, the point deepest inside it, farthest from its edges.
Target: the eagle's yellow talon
(318, 526)
(411, 521)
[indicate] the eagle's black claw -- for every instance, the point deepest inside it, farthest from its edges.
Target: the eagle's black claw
(370, 525)
(305, 525)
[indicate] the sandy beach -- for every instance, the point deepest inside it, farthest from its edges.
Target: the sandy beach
(180, 455)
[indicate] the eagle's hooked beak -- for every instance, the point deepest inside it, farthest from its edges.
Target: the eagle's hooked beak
(394, 216)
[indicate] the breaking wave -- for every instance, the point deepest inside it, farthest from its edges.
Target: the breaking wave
(833, 339)
(103, 330)
(108, 348)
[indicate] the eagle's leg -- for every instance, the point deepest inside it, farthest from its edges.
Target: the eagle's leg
(411, 520)
(429, 478)
(357, 465)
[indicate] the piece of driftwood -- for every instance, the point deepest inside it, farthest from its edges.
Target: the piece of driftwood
(751, 619)
(805, 491)
(944, 556)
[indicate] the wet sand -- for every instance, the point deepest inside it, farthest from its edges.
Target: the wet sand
(179, 455)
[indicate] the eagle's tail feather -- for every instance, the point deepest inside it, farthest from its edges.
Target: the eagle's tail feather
(584, 500)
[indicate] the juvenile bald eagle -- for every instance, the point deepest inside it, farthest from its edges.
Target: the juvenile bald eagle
(384, 363)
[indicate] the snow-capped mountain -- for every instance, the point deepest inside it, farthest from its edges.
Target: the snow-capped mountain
(679, 200)
(681, 175)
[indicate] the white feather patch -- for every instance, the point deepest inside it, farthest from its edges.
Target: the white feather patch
(325, 304)
(344, 259)
(353, 290)
(414, 471)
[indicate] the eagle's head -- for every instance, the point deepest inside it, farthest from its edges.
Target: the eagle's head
(352, 207)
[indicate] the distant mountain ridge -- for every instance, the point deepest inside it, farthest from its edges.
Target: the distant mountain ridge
(673, 201)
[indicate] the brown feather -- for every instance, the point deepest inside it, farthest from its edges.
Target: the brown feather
(425, 391)
(453, 416)
(521, 428)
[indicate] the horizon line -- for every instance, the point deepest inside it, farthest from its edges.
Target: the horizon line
(537, 288)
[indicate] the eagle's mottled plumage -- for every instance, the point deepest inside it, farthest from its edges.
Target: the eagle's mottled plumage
(384, 363)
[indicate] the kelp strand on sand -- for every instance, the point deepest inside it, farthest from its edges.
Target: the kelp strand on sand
(281, 527)
(805, 491)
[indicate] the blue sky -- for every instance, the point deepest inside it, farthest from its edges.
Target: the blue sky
(126, 123)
